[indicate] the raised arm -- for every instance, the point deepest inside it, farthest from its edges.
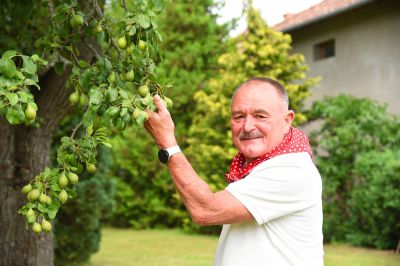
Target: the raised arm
(204, 206)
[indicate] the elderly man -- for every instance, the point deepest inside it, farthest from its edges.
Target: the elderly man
(271, 210)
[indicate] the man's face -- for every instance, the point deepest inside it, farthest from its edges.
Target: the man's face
(259, 119)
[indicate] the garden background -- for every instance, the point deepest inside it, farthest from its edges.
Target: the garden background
(128, 203)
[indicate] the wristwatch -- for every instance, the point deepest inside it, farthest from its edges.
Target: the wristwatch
(164, 155)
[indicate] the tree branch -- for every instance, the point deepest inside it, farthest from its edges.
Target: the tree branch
(75, 129)
(97, 8)
(124, 5)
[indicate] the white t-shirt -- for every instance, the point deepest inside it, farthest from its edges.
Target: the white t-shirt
(284, 196)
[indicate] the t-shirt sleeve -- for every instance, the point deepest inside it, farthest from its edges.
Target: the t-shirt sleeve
(272, 192)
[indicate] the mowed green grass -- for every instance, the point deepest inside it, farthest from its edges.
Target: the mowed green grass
(154, 248)
(122, 247)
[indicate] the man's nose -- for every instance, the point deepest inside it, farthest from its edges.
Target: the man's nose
(249, 124)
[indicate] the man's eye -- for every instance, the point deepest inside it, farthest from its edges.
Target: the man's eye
(261, 116)
(238, 117)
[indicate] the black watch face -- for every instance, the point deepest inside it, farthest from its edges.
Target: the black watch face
(163, 156)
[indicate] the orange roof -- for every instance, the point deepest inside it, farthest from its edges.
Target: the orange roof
(316, 13)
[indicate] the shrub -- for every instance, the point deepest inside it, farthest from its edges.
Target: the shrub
(357, 153)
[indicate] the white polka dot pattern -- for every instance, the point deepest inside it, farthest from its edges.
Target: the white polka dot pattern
(294, 141)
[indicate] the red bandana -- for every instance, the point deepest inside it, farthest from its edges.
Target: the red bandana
(294, 141)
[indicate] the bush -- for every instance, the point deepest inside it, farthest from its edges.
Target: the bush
(145, 194)
(357, 153)
(375, 201)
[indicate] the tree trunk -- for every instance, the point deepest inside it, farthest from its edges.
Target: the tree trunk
(24, 153)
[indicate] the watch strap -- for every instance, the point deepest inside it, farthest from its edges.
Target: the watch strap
(173, 150)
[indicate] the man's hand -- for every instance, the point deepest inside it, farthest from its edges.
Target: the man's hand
(160, 125)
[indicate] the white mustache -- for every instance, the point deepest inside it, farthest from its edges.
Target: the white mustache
(250, 135)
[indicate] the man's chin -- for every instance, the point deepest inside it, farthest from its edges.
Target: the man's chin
(251, 154)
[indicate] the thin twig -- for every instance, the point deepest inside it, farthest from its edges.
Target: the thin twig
(75, 129)
(124, 5)
(74, 55)
(116, 47)
(64, 60)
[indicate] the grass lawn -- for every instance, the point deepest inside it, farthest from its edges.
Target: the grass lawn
(175, 248)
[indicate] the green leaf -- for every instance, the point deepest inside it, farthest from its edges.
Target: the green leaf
(12, 98)
(159, 35)
(32, 77)
(95, 97)
(15, 115)
(31, 205)
(123, 94)
(52, 213)
(9, 54)
(42, 208)
(148, 100)
(31, 219)
(30, 82)
(112, 94)
(38, 60)
(19, 75)
(76, 70)
(132, 30)
(88, 118)
(141, 118)
(55, 187)
(124, 111)
(158, 5)
(85, 78)
(28, 65)
(5, 82)
(33, 105)
(23, 96)
(108, 64)
(144, 21)
(83, 63)
(126, 103)
(7, 67)
(112, 111)
(53, 209)
(35, 57)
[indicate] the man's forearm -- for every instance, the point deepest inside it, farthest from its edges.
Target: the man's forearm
(195, 193)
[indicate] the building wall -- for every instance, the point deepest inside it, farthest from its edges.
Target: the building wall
(367, 53)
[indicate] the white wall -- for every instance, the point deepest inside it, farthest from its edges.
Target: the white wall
(367, 53)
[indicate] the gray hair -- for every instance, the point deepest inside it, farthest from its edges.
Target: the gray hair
(279, 88)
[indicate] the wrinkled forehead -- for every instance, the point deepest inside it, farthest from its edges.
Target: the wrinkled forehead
(256, 94)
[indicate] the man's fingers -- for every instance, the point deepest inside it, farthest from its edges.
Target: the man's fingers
(159, 103)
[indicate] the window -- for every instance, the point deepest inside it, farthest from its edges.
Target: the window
(324, 50)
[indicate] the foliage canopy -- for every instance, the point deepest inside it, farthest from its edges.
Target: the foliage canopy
(358, 155)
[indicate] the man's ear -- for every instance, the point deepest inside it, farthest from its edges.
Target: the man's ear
(288, 120)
